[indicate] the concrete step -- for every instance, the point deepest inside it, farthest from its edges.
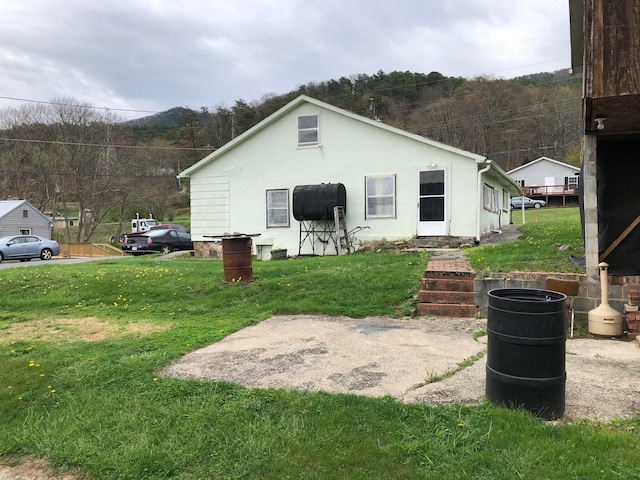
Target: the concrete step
(446, 310)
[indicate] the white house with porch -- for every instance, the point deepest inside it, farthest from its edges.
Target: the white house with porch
(396, 185)
(546, 176)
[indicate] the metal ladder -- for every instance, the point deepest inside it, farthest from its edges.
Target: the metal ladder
(342, 239)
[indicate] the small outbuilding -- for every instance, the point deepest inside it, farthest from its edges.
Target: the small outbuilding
(283, 179)
(19, 217)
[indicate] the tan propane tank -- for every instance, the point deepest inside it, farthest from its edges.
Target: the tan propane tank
(604, 320)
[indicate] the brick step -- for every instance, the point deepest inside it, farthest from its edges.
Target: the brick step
(435, 274)
(447, 284)
(446, 310)
(444, 296)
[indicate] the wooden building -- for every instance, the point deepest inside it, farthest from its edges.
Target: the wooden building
(605, 41)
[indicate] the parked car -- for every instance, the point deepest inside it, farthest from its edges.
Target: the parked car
(157, 240)
(516, 202)
(170, 226)
(26, 247)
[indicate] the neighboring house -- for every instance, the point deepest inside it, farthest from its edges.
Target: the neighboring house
(19, 217)
(605, 47)
(398, 185)
(555, 182)
(546, 176)
(61, 222)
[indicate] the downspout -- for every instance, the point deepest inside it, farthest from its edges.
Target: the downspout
(479, 202)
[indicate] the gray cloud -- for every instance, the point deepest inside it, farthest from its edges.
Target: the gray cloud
(154, 55)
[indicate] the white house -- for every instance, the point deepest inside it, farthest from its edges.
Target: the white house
(398, 185)
(19, 217)
(546, 176)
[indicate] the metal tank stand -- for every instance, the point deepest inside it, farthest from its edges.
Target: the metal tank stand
(317, 231)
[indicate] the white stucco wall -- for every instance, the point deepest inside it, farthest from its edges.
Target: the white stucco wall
(229, 194)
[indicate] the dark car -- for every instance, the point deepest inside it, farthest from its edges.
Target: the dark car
(517, 202)
(26, 247)
(154, 241)
(170, 226)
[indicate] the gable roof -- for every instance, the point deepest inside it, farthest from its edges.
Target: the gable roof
(8, 206)
(305, 99)
(540, 160)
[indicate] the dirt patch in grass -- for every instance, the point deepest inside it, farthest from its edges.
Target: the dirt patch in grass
(32, 470)
(88, 329)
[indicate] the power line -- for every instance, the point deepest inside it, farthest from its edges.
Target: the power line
(102, 145)
(61, 104)
(92, 174)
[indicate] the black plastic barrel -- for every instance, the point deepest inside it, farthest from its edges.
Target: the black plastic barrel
(316, 202)
(526, 350)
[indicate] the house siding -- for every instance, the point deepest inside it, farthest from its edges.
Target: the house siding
(13, 221)
(210, 204)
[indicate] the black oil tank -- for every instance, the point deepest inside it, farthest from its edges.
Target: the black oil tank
(316, 202)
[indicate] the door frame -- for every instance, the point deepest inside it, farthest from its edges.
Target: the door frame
(440, 227)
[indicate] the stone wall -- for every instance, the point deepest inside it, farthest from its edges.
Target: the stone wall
(207, 250)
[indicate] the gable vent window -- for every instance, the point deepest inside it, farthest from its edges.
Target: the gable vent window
(25, 213)
(308, 129)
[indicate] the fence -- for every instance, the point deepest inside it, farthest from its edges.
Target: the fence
(89, 250)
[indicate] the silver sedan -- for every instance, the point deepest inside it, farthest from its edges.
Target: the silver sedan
(516, 202)
(26, 247)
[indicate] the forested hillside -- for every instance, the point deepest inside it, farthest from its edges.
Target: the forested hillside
(510, 121)
(69, 157)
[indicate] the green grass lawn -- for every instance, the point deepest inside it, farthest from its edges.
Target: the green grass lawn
(80, 347)
(548, 237)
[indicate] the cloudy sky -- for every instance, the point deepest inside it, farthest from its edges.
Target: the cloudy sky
(151, 55)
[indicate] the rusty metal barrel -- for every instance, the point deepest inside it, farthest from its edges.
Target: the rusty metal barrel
(236, 258)
(526, 350)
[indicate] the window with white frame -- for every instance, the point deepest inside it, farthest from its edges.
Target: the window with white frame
(278, 208)
(380, 193)
(309, 129)
(572, 181)
(505, 200)
(489, 198)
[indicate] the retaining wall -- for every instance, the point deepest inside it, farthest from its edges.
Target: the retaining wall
(588, 294)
